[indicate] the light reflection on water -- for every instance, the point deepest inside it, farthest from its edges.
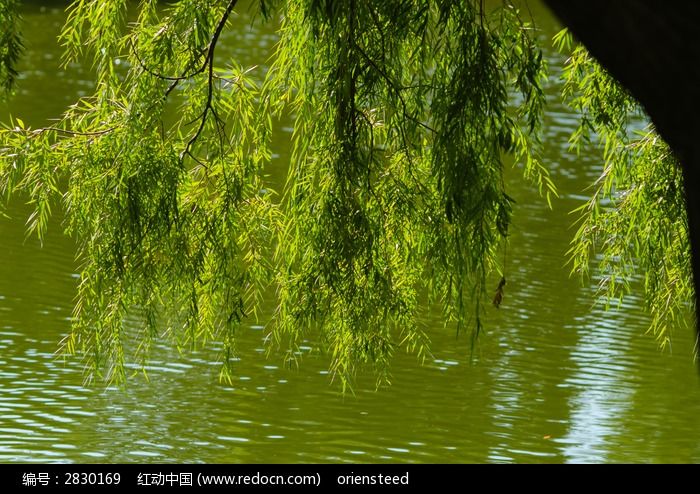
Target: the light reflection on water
(552, 379)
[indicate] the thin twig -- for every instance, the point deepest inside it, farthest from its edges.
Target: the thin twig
(74, 132)
(209, 61)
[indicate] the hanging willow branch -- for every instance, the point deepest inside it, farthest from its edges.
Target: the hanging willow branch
(403, 112)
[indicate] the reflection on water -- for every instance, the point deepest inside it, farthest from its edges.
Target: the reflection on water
(552, 380)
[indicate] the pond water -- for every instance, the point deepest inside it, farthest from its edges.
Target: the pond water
(554, 379)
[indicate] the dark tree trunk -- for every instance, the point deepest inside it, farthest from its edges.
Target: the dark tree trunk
(652, 48)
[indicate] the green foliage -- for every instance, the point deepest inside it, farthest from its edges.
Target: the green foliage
(403, 110)
(10, 43)
(171, 223)
(396, 179)
(635, 224)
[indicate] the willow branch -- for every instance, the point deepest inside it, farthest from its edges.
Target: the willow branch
(209, 61)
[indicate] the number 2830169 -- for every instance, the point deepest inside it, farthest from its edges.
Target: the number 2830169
(92, 478)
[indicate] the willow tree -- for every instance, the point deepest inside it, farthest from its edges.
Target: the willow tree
(404, 114)
(635, 221)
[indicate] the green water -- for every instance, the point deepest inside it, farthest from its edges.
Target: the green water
(553, 380)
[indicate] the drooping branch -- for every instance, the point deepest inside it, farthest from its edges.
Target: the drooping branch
(651, 49)
(209, 62)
